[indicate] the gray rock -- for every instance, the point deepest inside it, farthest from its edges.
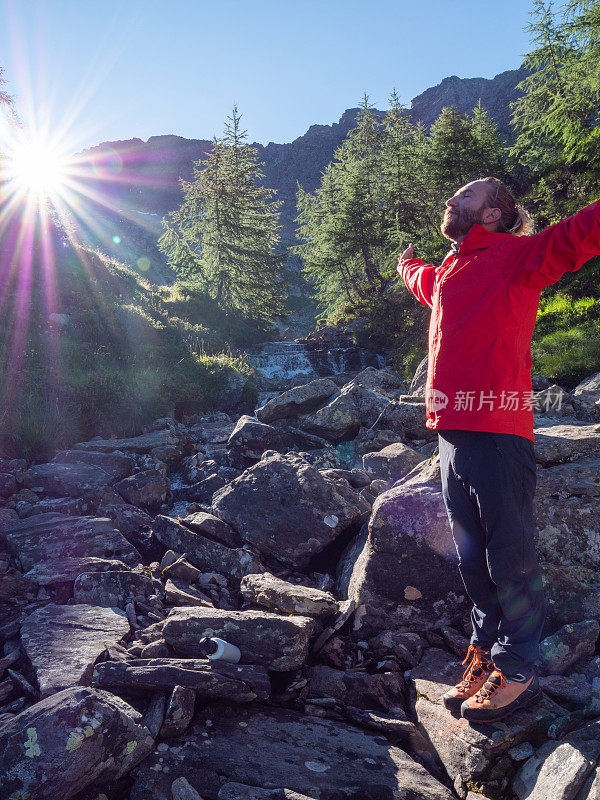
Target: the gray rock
(287, 598)
(44, 539)
(558, 443)
(392, 463)
(575, 689)
(250, 438)
(148, 489)
(66, 570)
(73, 506)
(359, 689)
(591, 787)
(131, 521)
(241, 791)
(61, 745)
(115, 465)
(182, 790)
(180, 711)
(323, 759)
(111, 588)
(406, 416)
(349, 409)
(286, 508)
(8, 485)
(588, 394)
(179, 593)
(212, 527)
(417, 386)
(567, 646)
(70, 479)
(181, 569)
(137, 444)
(467, 750)
(63, 642)
(406, 575)
(241, 683)
(559, 769)
(296, 401)
(207, 555)
(280, 643)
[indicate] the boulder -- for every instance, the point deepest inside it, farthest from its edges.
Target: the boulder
(131, 521)
(62, 642)
(465, 750)
(148, 489)
(61, 745)
(588, 394)
(46, 539)
(383, 381)
(206, 554)
(557, 443)
(287, 598)
(179, 593)
(218, 680)
(567, 646)
(297, 401)
(347, 410)
(327, 759)
(382, 691)
(392, 462)
(180, 711)
(8, 485)
(287, 509)
(559, 769)
(280, 643)
(72, 506)
(406, 574)
(406, 416)
(419, 381)
(113, 588)
(212, 527)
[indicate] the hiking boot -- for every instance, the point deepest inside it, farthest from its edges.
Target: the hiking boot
(475, 675)
(499, 697)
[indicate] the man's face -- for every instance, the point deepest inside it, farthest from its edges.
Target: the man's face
(464, 209)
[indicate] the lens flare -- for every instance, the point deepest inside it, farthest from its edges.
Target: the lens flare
(36, 168)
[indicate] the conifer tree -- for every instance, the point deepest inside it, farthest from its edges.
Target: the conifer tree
(225, 236)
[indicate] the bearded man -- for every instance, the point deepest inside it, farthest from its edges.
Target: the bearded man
(484, 299)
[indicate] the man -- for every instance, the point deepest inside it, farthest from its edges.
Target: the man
(484, 299)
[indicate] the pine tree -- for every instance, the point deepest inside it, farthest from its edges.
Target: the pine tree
(225, 235)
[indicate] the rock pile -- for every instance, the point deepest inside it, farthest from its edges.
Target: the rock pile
(313, 537)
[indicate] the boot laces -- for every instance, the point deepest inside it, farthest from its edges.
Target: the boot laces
(490, 687)
(478, 661)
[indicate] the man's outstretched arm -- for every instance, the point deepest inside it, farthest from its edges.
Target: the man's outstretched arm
(418, 276)
(563, 247)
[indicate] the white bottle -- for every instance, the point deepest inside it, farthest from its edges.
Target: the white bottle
(219, 650)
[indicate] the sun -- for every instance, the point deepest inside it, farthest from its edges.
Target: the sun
(36, 168)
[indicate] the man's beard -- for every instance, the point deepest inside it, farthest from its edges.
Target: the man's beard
(458, 224)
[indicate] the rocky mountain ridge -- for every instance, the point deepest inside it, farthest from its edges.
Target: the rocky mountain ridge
(309, 532)
(139, 181)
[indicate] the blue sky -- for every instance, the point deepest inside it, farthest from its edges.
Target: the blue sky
(117, 69)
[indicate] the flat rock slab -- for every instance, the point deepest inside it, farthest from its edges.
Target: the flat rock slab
(137, 444)
(241, 791)
(44, 539)
(358, 689)
(240, 683)
(206, 554)
(286, 509)
(115, 465)
(66, 570)
(61, 745)
(558, 443)
(272, 748)
(71, 480)
(279, 643)
(466, 749)
(287, 598)
(112, 588)
(62, 642)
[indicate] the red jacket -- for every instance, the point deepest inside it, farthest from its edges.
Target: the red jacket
(484, 302)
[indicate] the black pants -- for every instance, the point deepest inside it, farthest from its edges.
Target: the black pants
(488, 484)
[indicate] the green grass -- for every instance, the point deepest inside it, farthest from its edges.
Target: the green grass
(131, 352)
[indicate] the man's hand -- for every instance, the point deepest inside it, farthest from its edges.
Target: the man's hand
(408, 253)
